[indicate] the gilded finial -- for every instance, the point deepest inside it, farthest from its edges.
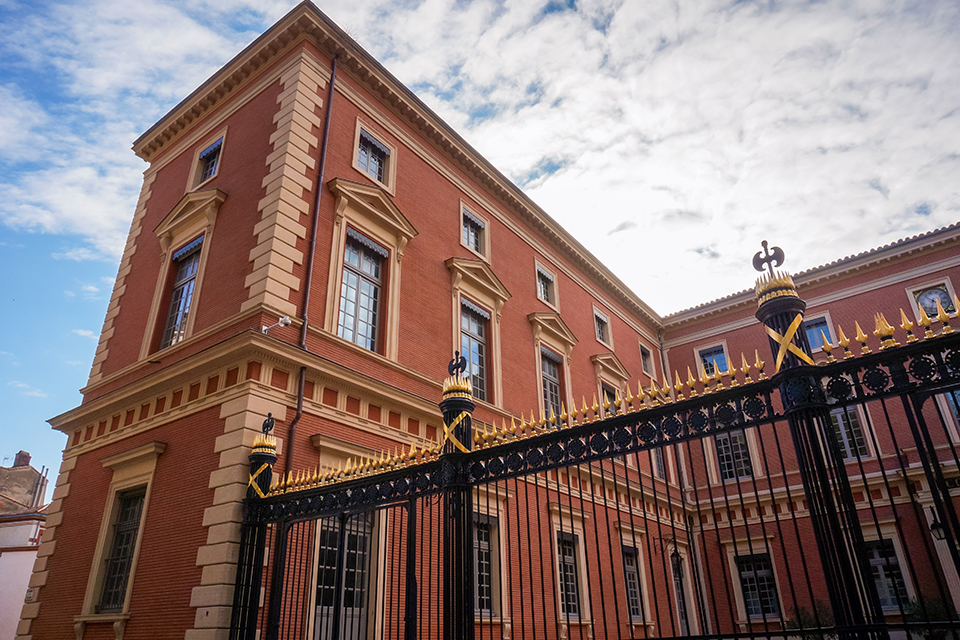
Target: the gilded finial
(732, 374)
(943, 318)
(595, 408)
(826, 347)
(745, 369)
(907, 326)
(692, 383)
(665, 390)
(616, 402)
(678, 388)
(563, 415)
(654, 393)
(925, 322)
(862, 339)
(629, 398)
(884, 331)
(758, 364)
(844, 342)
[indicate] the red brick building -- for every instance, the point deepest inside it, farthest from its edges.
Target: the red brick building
(389, 243)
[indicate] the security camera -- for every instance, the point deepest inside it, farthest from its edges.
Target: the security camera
(285, 321)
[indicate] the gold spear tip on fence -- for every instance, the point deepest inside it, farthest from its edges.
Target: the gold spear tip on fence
(943, 318)
(758, 364)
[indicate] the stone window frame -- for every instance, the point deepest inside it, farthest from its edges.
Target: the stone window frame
(194, 181)
(633, 536)
(365, 127)
(745, 546)
(571, 521)
(370, 211)
(193, 216)
(886, 529)
(541, 268)
(552, 333)
(599, 314)
(468, 210)
(650, 372)
(131, 469)
(710, 345)
(491, 501)
(474, 281)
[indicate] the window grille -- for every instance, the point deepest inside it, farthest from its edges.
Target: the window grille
(187, 259)
(116, 571)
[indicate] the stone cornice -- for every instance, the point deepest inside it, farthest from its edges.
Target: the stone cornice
(306, 21)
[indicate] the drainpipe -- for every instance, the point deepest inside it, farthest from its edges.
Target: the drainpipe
(308, 283)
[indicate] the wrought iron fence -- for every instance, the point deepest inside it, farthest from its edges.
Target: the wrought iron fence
(818, 503)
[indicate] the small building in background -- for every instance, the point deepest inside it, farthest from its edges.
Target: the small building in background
(22, 517)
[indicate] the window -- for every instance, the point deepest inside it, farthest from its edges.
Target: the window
(360, 288)
(758, 585)
(187, 261)
(680, 593)
(206, 160)
(733, 455)
(713, 360)
(631, 578)
(551, 364)
(473, 345)
(356, 575)
(886, 573)
(210, 161)
(659, 463)
(116, 572)
(546, 286)
(473, 232)
(372, 156)
(569, 577)
(815, 330)
(846, 426)
(485, 565)
(646, 361)
(601, 324)
(609, 396)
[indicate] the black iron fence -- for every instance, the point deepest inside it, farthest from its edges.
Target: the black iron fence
(818, 503)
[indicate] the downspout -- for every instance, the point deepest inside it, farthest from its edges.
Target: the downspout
(308, 283)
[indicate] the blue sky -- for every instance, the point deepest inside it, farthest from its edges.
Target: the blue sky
(669, 137)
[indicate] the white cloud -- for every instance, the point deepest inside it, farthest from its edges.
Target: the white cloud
(69, 294)
(26, 390)
(668, 137)
(86, 333)
(89, 288)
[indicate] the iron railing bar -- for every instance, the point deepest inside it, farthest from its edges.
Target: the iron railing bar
(703, 535)
(641, 579)
(596, 543)
(646, 517)
(691, 541)
(667, 574)
(681, 596)
(606, 514)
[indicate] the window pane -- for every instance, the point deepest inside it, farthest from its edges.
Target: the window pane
(473, 347)
(569, 580)
(733, 455)
(758, 585)
(117, 565)
(180, 299)
(713, 360)
(359, 315)
(632, 581)
(886, 573)
(846, 426)
(813, 329)
(551, 386)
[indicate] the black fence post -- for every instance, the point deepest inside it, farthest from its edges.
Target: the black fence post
(457, 407)
(833, 513)
(253, 539)
(410, 613)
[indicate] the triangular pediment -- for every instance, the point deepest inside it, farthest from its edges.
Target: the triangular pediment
(553, 325)
(479, 275)
(611, 365)
(374, 203)
(192, 206)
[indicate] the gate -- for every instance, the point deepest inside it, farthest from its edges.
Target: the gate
(817, 503)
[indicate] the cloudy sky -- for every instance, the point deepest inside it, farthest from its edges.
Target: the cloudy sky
(669, 137)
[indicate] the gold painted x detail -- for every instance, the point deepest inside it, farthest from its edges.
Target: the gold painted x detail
(448, 432)
(786, 343)
(251, 482)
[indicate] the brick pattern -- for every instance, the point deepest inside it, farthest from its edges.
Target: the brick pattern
(119, 286)
(286, 186)
(38, 579)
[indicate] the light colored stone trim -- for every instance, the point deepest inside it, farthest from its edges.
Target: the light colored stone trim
(119, 286)
(285, 185)
(212, 598)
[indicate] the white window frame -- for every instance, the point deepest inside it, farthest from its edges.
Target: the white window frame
(540, 267)
(888, 531)
(605, 317)
(825, 316)
(484, 251)
(652, 371)
(710, 345)
(635, 538)
(390, 170)
(196, 168)
(551, 332)
(131, 469)
(491, 501)
(570, 521)
(751, 546)
(912, 290)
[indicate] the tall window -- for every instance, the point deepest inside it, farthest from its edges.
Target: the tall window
(602, 326)
(473, 345)
(187, 260)
(485, 564)
(659, 463)
(550, 365)
(473, 230)
(713, 360)
(679, 594)
(815, 330)
(886, 573)
(631, 578)
(733, 455)
(758, 585)
(646, 360)
(569, 575)
(360, 296)
(609, 396)
(846, 426)
(210, 161)
(372, 156)
(546, 286)
(122, 547)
